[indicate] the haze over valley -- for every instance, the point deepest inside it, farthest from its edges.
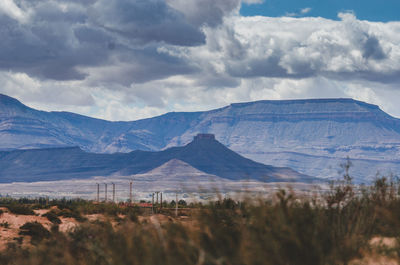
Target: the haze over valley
(313, 137)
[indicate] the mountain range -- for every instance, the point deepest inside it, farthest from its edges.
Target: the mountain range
(204, 154)
(312, 136)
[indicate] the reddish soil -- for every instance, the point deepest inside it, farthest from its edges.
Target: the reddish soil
(10, 224)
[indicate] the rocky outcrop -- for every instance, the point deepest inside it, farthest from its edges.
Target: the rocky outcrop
(330, 129)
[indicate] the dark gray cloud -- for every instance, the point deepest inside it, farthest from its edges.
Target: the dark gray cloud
(205, 12)
(136, 66)
(92, 36)
(45, 46)
(269, 67)
(372, 49)
(48, 11)
(59, 39)
(146, 21)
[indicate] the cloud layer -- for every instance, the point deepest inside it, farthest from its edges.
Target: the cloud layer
(307, 47)
(124, 59)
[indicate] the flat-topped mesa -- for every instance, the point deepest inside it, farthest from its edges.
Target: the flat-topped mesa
(204, 136)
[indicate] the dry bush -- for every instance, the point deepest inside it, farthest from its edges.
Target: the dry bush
(284, 231)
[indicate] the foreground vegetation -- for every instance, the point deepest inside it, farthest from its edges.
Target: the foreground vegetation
(333, 228)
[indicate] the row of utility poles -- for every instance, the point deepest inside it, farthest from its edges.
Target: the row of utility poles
(131, 197)
(113, 192)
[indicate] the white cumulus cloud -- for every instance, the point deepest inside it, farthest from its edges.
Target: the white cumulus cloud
(125, 60)
(9, 8)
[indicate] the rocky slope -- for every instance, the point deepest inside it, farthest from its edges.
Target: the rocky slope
(330, 129)
(204, 154)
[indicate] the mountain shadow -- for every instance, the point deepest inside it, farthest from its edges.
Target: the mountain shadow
(203, 153)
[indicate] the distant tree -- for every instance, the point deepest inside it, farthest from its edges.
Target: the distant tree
(20, 209)
(182, 203)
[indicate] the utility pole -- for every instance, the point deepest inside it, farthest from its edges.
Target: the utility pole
(113, 193)
(105, 197)
(176, 205)
(98, 192)
(130, 193)
(157, 192)
(152, 203)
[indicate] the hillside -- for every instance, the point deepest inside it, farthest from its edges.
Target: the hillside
(204, 154)
(330, 129)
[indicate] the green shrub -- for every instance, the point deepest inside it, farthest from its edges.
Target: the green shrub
(330, 229)
(72, 214)
(20, 209)
(5, 224)
(52, 217)
(35, 230)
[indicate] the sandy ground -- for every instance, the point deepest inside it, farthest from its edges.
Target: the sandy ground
(10, 224)
(379, 245)
(10, 234)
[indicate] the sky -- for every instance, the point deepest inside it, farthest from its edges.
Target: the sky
(371, 10)
(133, 59)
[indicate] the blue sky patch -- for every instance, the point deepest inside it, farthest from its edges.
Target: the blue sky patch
(372, 10)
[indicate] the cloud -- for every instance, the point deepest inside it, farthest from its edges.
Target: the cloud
(133, 66)
(47, 95)
(305, 10)
(251, 2)
(145, 21)
(131, 59)
(205, 12)
(301, 12)
(9, 8)
(64, 39)
(46, 47)
(349, 49)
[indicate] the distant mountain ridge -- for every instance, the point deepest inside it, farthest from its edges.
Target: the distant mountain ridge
(331, 129)
(204, 154)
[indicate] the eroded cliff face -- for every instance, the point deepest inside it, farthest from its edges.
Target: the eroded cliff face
(327, 129)
(324, 127)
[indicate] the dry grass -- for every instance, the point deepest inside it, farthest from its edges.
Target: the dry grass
(347, 225)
